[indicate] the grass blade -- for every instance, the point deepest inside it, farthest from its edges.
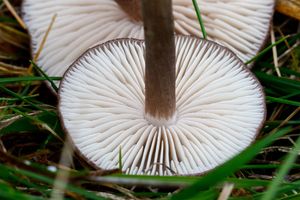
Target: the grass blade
(220, 173)
(266, 50)
(283, 171)
(283, 101)
(50, 181)
(21, 98)
(45, 75)
(195, 3)
(26, 79)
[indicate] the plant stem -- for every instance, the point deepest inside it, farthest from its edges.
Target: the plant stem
(160, 58)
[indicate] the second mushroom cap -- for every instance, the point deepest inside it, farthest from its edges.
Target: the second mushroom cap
(241, 25)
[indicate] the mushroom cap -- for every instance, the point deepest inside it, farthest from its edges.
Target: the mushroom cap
(241, 25)
(220, 108)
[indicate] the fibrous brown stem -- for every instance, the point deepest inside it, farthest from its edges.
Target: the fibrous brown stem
(160, 58)
(132, 8)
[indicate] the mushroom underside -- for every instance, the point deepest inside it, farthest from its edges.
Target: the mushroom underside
(219, 109)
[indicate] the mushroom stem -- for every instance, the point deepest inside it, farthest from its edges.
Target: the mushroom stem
(160, 99)
(132, 8)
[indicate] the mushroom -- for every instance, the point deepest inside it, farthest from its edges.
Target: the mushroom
(182, 108)
(241, 25)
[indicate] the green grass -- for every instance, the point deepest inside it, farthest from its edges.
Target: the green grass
(198, 12)
(31, 137)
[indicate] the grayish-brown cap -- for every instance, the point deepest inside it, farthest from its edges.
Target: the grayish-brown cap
(220, 108)
(241, 25)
